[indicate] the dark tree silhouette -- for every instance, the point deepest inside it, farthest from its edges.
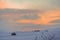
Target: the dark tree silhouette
(13, 34)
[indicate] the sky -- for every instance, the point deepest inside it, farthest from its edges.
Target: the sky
(48, 16)
(31, 4)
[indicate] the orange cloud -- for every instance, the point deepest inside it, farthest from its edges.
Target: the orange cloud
(44, 18)
(50, 16)
(3, 4)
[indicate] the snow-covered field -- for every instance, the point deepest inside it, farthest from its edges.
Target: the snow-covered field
(41, 35)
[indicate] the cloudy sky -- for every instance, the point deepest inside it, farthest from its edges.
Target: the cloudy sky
(49, 18)
(31, 4)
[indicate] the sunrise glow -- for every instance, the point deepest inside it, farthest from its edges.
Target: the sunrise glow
(50, 12)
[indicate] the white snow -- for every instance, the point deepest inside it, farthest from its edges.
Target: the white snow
(41, 35)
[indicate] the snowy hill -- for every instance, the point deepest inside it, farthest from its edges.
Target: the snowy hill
(41, 35)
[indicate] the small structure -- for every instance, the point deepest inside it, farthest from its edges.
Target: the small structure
(13, 34)
(36, 30)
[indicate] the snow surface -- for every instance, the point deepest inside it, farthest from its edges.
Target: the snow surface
(32, 35)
